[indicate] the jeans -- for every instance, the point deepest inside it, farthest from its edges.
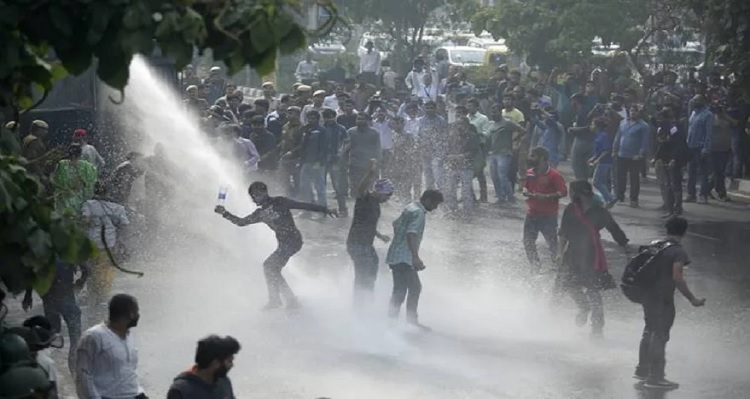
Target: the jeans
(632, 167)
(482, 179)
(603, 181)
(670, 183)
(580, 158)
(405, 282)
(312, 176)
(62, 305)
(698, 169)
(356, 174)
(408, 182)
(500, 171)
(438, 173)
(465, 177)
(659, 316)
(719, 161)
(289, 174)
(737, 158)
(337, 181)
(532, 226)
(429, 178)
(365, 261)
(277, 285)
(589, 301)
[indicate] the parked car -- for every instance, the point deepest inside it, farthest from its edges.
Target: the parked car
(464, 56)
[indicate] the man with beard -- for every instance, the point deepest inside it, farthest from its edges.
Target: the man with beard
(276, 213)
(207, 379)
(364, 229)
(107, 360)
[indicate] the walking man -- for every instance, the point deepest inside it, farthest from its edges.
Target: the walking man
(543, 188)
(403, 255)
(107, 360)
(364, 229)
(659, 310)
(699, 136)
(276, 213)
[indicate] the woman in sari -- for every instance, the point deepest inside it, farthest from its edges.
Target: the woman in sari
(73, 181)
(583, 265)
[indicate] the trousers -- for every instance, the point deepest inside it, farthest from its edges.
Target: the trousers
(365, 261)
(406, 285)
(277, 285)
(658, 314)
(532, 226)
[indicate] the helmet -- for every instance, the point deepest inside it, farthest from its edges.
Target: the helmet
(23, 381)
(13, 349)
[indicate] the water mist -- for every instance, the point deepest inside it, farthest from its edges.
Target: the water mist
(494, 335)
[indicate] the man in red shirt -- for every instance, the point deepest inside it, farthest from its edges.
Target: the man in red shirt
(543, 189)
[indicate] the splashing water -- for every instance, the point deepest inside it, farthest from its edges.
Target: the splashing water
(494, 337)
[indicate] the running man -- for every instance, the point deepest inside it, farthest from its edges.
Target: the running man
(364, 230)
(276, 213)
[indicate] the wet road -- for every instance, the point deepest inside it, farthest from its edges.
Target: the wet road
(498, 333)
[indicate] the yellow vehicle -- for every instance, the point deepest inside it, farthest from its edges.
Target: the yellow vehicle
(497, 55)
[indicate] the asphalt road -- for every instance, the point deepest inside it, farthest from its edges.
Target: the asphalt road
(497, 331)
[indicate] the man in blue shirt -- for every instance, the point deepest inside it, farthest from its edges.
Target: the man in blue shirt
(403, 255)
(699, 136)
(629, 149)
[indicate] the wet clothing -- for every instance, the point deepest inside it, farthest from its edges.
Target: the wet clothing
(276, 213)
(584, 272)
(359, 244)
(406, 285)
(659, 313)
(364, 220)
(188, 385)
(120, 183)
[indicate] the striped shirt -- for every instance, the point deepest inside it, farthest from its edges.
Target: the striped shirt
(412, 220)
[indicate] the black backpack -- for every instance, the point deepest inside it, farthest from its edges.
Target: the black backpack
(641, 272)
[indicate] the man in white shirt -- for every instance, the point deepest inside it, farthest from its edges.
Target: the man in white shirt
(430, 88)
(107, 360)
(369, 64)
(307, 70)
(332, 101)
(88, 151)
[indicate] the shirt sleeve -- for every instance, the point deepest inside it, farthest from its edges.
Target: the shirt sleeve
(86, 209)
(122, 216)
(292, 204)
(247, 220)
(617, 234)
(87, 349)
(414, 220)
(560, 185)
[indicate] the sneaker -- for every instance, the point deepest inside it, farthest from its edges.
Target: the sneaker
(611, 204)
(725, 199)
(634, 204)
(639, 377)
(690, 199)
(660, 384)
